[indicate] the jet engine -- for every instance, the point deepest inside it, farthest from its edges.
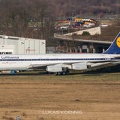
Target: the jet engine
(79, 66)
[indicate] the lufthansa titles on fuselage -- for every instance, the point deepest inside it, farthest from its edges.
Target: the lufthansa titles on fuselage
(9, 57)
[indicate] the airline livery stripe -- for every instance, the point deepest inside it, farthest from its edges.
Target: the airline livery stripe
(52, 59)
(61, 59)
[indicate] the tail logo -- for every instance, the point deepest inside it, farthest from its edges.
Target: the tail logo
(118, 42)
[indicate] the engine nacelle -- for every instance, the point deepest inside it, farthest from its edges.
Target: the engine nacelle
(79, 66)
(54, 68)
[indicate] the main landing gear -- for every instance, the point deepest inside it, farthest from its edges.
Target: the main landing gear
(62, 73)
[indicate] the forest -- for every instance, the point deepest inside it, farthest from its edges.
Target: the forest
(36, 18)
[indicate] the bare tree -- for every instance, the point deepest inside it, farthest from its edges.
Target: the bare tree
(36, 19)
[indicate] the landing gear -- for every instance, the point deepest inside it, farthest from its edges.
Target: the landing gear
(58, 73)
(62, 73)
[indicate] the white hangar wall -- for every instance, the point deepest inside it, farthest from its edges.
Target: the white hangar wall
(19, 45)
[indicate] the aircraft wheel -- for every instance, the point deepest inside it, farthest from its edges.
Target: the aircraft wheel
(58, 73)
(63, 73)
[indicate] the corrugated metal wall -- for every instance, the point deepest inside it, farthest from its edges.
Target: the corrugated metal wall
(23, 45)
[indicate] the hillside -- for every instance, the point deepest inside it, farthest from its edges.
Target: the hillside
(36, 19)
(77, 7)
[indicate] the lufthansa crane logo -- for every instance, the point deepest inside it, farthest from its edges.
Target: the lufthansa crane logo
(118, 42)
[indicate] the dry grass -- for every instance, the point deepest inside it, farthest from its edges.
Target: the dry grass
(31, 97)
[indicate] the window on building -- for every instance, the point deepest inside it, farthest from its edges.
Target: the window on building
(5, 52)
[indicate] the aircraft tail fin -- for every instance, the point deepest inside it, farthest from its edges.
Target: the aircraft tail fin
(114, 47)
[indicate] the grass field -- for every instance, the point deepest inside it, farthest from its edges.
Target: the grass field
(50, 97)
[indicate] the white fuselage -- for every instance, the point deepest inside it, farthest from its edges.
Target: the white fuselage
(23, 62)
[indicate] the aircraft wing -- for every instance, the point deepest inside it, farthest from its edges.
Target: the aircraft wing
(102, 65)
(75, 66)
(37, 66)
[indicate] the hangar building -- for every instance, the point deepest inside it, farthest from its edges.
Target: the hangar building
(19, 45)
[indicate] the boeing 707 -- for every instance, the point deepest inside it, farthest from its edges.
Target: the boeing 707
(62, 63)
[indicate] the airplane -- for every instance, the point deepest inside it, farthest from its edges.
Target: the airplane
(62, 63)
